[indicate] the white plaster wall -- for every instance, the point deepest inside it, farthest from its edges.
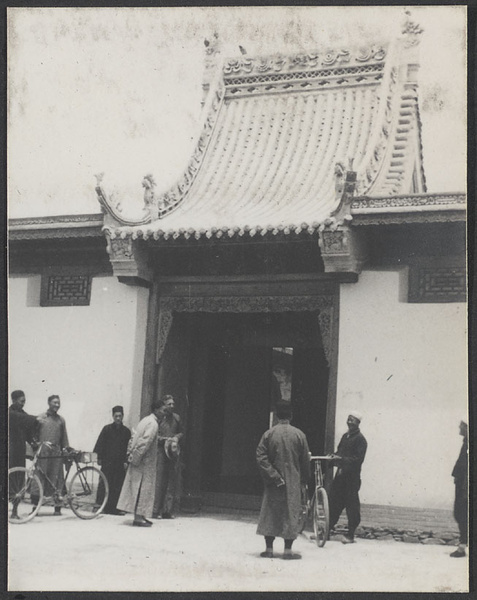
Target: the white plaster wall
(404, 366)
(91, 356)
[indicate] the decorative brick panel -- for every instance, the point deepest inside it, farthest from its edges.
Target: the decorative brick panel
(65, 289)
(432, 283)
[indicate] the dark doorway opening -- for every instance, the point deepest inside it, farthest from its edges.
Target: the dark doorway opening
(241, 364)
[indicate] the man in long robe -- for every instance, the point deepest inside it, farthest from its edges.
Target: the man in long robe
(168, 465)
(137, 493)
(111, 448)
(21, 428)
(345, 487)
(461, 502)
(284, 462)
(52, 429)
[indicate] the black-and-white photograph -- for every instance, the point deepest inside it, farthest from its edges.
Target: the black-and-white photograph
(237, 299)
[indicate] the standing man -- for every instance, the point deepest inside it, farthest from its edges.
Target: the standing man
(137, 493)
(21, 427)
(459, 474)
(112, 448)
(168, 467)
(345, 487)
(284, 463)
(52, 429)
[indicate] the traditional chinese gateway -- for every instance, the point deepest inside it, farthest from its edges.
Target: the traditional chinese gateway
(299, 255)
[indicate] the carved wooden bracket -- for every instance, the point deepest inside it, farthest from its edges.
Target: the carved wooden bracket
(129, 260)
(343, 249)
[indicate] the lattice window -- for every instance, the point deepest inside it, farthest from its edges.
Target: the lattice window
(65, 289)
(430, 283)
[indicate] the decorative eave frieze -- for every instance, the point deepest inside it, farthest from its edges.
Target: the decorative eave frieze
(412, 208)
(61, 226)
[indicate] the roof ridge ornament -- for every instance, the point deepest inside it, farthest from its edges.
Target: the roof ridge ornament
(345, 187)
(112, 209)
(150, 203)
(411, 31)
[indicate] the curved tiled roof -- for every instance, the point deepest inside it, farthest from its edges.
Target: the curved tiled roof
(275, 128)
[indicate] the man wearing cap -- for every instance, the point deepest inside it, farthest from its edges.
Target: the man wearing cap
(21, 428)
(168, 466)
(112, 448)
(284, 463)
(459, 474)
(345, 487)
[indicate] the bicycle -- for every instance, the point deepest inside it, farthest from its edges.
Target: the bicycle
(318, 506)
(80, 493)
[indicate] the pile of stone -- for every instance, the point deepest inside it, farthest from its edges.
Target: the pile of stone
(410, 536)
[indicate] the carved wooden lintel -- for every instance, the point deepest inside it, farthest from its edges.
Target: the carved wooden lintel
(343, 249)
(129, 260)
(322, 304)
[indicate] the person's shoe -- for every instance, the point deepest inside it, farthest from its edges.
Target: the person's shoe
(291, 556)
(266, 554)
(147, 521)
(458, 553)
(347, 540)
(155, 516)
(14, 516)
(142, 524)
(167, 515)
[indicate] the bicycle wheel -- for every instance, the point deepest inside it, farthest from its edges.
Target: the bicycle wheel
(23, 488)
(321, 516)
(83, 493)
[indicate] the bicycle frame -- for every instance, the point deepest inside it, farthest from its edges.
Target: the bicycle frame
(85, 492)
(68, 460)
(319, 503)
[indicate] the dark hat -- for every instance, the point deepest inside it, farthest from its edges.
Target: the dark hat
(118, 409)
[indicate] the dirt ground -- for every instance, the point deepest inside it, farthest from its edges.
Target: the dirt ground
(213, 553)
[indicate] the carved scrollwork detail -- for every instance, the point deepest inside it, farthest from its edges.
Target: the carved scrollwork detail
(120, 249)
(246, 304)
(163, 329)
(371, 53)
(302, 61)
(334, 242)
(325, 320)
(412, 201)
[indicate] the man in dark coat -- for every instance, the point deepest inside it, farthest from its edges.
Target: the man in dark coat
(345, 487)
(168, 465)
(459, 474)
(284, 462)
(21, 427)
(112, 449)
